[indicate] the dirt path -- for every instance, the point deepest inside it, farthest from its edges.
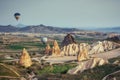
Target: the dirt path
(105, 55)
(109, 54)
(112, 76)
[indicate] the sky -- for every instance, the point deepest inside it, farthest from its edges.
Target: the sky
(62, 13)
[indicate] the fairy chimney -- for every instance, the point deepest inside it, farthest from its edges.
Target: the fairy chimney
(55, 49)
(83, 52)
(47, 49)
(25, 59)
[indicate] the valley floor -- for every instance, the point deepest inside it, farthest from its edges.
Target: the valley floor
(104, 55)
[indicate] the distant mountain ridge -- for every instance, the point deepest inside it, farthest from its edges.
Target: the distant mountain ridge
(20, 25)
(36, 29)
(8, 28)
(112, 29)
(116, 28)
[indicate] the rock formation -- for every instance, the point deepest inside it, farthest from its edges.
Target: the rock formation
(108, 45)
(55, 49)
(25, 59)
(97, 48)
(114, 38)
(73, 49)
(70, 50)
(83, 52)
(68, 39)
(47, 49)
(102, 46)
(88, 65)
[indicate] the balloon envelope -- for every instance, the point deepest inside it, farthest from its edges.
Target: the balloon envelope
(17, 16)
(44, 39)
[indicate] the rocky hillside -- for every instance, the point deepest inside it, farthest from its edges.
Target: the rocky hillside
(36, 29)
(115, 38)
(8, 28)
(113, 29)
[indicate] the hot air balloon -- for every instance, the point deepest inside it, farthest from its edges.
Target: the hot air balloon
(44, 40)
(17, 16)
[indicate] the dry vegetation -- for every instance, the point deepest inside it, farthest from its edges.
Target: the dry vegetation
(51, 72)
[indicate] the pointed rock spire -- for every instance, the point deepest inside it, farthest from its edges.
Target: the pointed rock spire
(83, 52)
(25, 59)
(55, 49)
(47, 49)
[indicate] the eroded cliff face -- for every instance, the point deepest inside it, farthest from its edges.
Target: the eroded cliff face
(69, 46)
(75, 49)
(83, 52)
(98, 47)
(55, 49)
(103, 46)
(85, 65)
(25, 59)
(70, 50)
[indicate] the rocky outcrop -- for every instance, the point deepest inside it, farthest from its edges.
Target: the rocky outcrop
(88, 65)
(25, 59)
(47, 49)
(103, 46)
(74, 49)
(97, 48)
(108, 45)
(70, 50)
(114, 38)
(83, 52)
(68, 39)
(55, 49)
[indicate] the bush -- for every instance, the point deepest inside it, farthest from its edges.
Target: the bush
(56, 69)
(16, 47)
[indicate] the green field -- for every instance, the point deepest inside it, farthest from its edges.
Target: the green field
(28, 45)
(56, 69)
(96, 73)
(40, 45)
(60, 71)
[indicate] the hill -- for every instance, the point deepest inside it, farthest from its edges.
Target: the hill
(36, 29)
(113, 29)
(8, 28)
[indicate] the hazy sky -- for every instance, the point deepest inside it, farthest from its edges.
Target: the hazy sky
(62, 13)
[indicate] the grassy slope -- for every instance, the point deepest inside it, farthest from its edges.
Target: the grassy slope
(96, 73)
(8, 71)
(21, 45)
